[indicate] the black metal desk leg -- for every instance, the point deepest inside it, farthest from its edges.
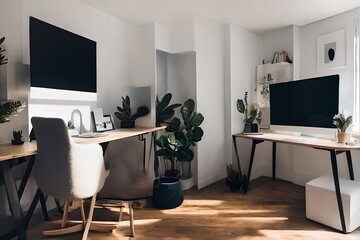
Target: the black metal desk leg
(337, 189)
(350, 166)
(273, 161)
(13, 199)
(142, 139)
(253, 148)
(237, 155)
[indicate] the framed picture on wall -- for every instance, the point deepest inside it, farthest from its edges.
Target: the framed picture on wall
(331, 50)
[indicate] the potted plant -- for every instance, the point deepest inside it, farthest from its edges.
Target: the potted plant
(17, 138)
(175, 147)
(125, 115)
(252, 112)
(10, 108)
(342, 122)
(175, 143)
(233, 178)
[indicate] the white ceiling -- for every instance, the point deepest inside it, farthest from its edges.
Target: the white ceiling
(258, 16)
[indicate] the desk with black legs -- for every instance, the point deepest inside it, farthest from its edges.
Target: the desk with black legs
(18, 222)
(317, 143)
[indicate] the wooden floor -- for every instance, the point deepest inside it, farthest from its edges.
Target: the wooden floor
(270, 210)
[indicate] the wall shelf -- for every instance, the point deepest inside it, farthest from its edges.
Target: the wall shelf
(267, 74)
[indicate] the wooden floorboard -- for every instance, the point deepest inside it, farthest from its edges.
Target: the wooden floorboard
(270, 210)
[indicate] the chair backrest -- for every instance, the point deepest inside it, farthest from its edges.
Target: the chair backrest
(52, 165)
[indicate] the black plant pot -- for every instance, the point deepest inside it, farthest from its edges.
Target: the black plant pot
(167, 193)
(127, 124)
(233, 184)
(251, 128)
(19, 142)
(172, 173)
(236, 184)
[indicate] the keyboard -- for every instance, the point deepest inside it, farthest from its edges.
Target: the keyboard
(91, 135)
(297, 139)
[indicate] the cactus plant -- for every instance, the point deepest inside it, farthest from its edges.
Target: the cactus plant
(252, 111)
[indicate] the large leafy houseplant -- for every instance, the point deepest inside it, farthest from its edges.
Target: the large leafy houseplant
(164, 111)
(175, 144)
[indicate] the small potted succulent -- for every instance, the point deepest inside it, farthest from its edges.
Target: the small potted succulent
(342, 122)
(17, 138)
(252, 112)
(125, 115)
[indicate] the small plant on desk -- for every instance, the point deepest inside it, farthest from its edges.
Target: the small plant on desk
(125, 113)
(252, 112)
(342, 122)
(17, 138)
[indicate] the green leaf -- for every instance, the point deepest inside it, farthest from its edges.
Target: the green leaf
(121, 116)
(240, 106)
(197, 134)
(197, 119)
(185, 154)
(171, 138)
(174, 125)
(187, 109)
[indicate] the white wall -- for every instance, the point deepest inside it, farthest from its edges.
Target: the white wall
(277, 41)
(310, 164)
(298, 164)
(17, 86)
(210, 95)
(116, 53)
(243, 55)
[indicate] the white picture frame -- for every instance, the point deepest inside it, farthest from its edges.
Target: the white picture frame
(105, 124)
(331, 50)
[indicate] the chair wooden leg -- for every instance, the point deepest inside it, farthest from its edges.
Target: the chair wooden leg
(65, 214)
(83, 218)
(88, 222)
(120, 213)
(131, 212)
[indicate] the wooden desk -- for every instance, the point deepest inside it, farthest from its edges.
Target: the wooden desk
(8, 153)
(332, 147)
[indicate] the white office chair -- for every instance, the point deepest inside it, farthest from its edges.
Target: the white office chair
(67, 171)
(127, 182)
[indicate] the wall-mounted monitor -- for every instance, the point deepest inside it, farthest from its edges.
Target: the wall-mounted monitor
(305, 103)
(61, 60)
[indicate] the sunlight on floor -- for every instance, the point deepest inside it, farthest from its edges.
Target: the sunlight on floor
(260, 219)
(303, 234)
(240, 211)
(202, 202)
(140, 222)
